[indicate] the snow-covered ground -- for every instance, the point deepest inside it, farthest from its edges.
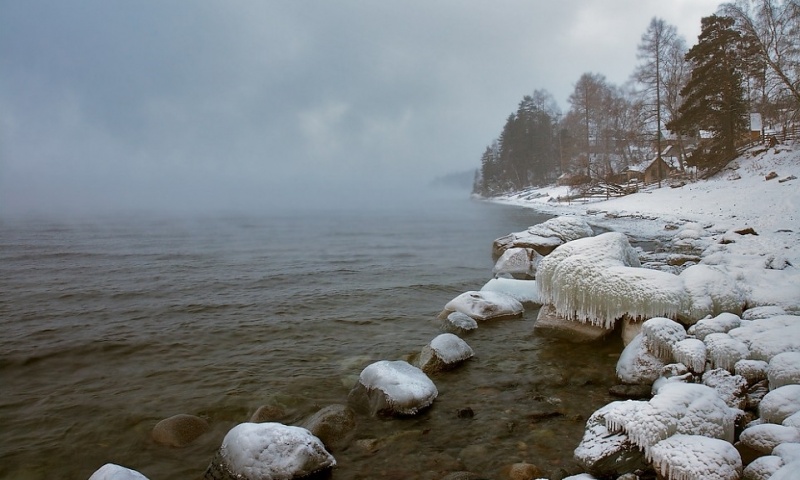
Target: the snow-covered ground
(739, 196)
(704, 214)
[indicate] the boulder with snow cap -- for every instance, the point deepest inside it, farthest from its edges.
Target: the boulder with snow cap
(551, 325)
(544, 237)
(762, 468)
(598, 280)
(446, 351)
(792, 420)
(780, 403)
(660, 335)
(269, 451)
(768, 337)
(731, 388)
(753, 371)
(784, 369)
(111, 471)
(757, 313)
(722, 323)
(695, 457)
(458, 322)
(636, 365)
(723, 351)
(519, 263)
(787, 472)
(484, 305)
(393, 388)
(524, 291)
(607, 454)
(765, 437)
(690, 352)
(677, 408)
(711, 290)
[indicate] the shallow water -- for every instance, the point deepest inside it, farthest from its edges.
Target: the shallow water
(111, 325)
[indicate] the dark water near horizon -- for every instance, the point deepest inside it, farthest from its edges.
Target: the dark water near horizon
(111, 325)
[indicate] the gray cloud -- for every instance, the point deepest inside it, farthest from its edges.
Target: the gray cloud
(252, 104)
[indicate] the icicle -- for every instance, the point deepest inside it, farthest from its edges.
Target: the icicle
(660, 335)
(692, 353)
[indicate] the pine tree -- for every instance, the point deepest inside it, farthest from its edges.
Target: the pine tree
(714, 96)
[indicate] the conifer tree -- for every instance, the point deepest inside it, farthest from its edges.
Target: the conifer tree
(714, 96)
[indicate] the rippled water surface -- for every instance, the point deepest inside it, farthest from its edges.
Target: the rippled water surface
(110, 325)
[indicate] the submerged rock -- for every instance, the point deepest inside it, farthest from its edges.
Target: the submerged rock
(334, 425)
(259, 451)
(179, 430)
(393, 388)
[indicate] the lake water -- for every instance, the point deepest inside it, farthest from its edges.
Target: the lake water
(110, 325)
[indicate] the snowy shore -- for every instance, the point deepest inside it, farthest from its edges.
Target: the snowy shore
(744, 222)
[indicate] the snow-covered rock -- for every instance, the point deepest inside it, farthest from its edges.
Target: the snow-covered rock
(484, 305)
(695, 457)
(677, 408)
(780, 403)
(787, 472)
(788, 452)
(690, 352)
(636, 365)
(723, 351)
(762, 468)
(524, 291)
(722, 323)
(459, 322)
(549, 324)
(758, 313)
(712, 290)
(444, 352)
(765, 437)
(603, 453)
(784, 369)
(731, 388)
(258, 451)
(598, 279)
(792, 420)
(660, 335)
(768, 337)
(519, 263)
(393, 388)
(752, 370)
(111, 471)
(544, 237)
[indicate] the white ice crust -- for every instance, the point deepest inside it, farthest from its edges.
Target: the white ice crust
(274, 451)
(690, 352)
(598, 280)
(723, 351)
(695, 457)
(406, 387)
(722, 323)
(524, 291)
(111, 471)
(485, 305)
(451, 349)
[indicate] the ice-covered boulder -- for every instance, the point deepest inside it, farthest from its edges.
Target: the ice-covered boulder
(792, 420)
(722, 323)
(787, 472)
(459, 322)
(780, 403)
(549, 324)
(393, 388)
(784, 369)
(524, 291)
(519, 263)
(607, 454)
(259, 451)
(692, 353)
(731, 388)
(765, 437)
(545, 236)
(758, 313)
(723, 351)
(762, 468)
(111, 471)
(598, 280)
(711, 291)
(660, 335)
(696, 457)
(768, 337)
(484, 305)
(446, 351)
(677, 408)
(752, 370)
(636, 365)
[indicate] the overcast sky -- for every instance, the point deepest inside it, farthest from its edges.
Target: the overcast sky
(226, 105)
